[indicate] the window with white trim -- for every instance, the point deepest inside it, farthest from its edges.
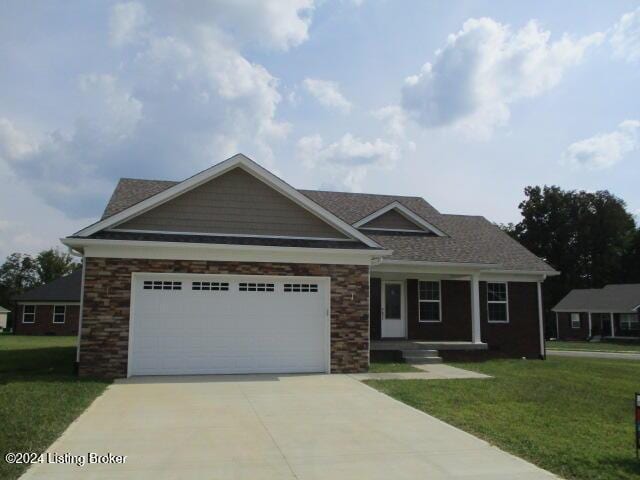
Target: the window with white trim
(629, 321)
(497, 302)
(28, 314)
(429, 301)
(575, 320)
(59, 313)
(256, 287)
(210, 286)
(161, 285)
(300, 287)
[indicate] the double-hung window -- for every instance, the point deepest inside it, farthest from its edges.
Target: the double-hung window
(629, 321)
(429, 299)
(575, 320)
(29, 314)
(58, 313)
(497, 302)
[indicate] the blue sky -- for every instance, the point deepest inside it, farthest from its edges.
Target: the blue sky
(464, 103)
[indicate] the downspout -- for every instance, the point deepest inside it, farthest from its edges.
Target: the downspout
(84, 264)
(543, 355)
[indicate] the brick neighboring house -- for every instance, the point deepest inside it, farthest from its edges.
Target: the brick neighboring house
(234, 271)
(609, 312)
(50, 309)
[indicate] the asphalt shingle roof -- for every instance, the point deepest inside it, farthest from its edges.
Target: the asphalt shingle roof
(63, 289)
(469, 239)
(611, 298)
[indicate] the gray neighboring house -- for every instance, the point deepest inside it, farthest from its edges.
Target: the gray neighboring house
(3, 317)
(609, 312)
(235, 271)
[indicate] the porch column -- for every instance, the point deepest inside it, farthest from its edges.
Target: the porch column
(613, 330)
(589, 313)
(475, 308)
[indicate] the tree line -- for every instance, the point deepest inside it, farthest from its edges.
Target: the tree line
(21, 272)
(590, 237)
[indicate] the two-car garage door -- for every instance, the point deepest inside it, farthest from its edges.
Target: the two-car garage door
(198, 324)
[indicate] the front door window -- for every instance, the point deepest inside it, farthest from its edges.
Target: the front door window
(393, 324)
(392, 301)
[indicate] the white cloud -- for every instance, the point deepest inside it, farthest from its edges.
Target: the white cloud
(484, 68)
(625, 37)
(126, 22)
(604, 150)
(327, 93)
(183, 97)
(395, 118)
(277, 24)
(14, 143)
(345, 163)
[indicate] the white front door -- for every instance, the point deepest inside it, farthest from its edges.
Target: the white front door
(392, 310)
(203, 324)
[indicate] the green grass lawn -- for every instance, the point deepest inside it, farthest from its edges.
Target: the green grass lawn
(608, 346)
(572, 416)
(386, 367)
(39, 394)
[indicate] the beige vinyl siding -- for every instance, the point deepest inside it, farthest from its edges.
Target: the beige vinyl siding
(392, 219)
(234, 203)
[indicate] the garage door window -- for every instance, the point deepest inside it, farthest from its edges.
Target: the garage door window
(256, 287)
(161, 285)
(301, 287)
(210, 286)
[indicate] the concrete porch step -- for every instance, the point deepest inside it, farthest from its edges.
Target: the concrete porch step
(422, 360)
(421, 356)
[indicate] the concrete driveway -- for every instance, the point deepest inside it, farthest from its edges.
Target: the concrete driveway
(276, 427)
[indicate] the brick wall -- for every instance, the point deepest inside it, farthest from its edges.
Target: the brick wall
(107, 290)
(456, 313)
(520, 337)
(566, 332)
(44, 325)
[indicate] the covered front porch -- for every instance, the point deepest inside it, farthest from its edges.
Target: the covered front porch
(454, 308)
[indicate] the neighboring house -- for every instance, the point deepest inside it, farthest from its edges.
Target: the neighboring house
(612, 311)
(3, 317)
(50, 309)
(234, 271)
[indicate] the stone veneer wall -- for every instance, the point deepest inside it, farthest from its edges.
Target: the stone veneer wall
(107, 291)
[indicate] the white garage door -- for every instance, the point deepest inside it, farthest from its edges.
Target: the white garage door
(198, 324)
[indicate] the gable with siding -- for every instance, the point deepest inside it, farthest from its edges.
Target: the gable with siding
(392, 220)
(235, 203)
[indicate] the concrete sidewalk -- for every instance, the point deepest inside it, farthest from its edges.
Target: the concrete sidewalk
(589, 354)
(271, 427)
(436, 371)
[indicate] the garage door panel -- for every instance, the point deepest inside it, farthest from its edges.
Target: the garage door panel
(182, 331)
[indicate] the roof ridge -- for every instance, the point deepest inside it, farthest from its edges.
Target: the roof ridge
(359, 193)
(149, 180)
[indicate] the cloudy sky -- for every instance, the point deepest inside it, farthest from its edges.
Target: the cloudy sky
(464, 103)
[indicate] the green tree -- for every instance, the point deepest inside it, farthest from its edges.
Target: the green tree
(584, 235)
(18, 273)
(53, 263)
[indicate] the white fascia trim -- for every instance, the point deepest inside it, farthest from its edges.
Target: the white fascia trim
(238, 160)
(546, 273)
(579, 310)
(209, 234)
(441, 264)
(218, 252)
(57, 303)
(404, 230)
(405, 212)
